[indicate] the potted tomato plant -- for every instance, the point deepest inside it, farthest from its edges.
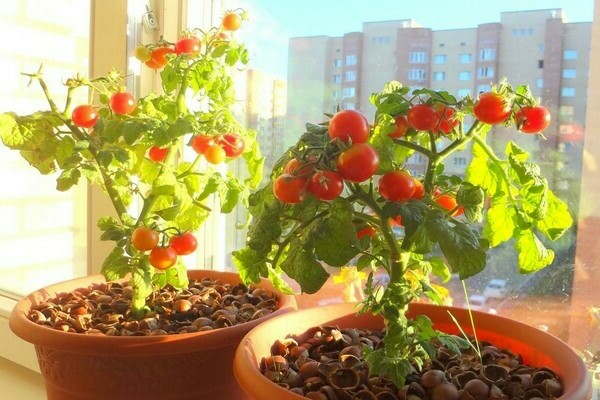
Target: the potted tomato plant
(149, 330)
(343, 194)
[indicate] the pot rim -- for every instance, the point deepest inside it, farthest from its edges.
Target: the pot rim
(561, 357)
(43, 336)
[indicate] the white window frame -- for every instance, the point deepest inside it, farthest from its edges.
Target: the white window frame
(348, 92)
(487, 54)
(417, 74)
(485, 72)
(351, 59)
(350, 76)
(417, 57)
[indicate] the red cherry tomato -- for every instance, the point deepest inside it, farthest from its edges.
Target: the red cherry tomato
(163, 257)
(232, 144)
(401, 127)
(491, 108)
(358, 162)
(396, 221)
(423, 117)
(349, 126)
(289, 189)
(159, 57)
(144, 238)
(202, 142)
(184, 244)
(396, 186)
(532, 119)
(366, 231)
(122, 103)
(84, 116)
(419, 190)
(447, 122)
(215, 154)
(296, 167)
(448, 202)
(158, 154)
(188, 45)
(326, 185)
(231, 22)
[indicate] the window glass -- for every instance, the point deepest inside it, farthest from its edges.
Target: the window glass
(569, 73)
(465, 58)
(439, 59)
(417, 57)
(464, 76)
(439, 76)
(350, 76)
(570, 55)
(351, 59)
(567, 91)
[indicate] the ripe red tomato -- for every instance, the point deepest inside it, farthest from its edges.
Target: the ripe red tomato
(187, 45)
(366, 231)
(159, 57)
(448, 202)
(163, 257)
(232, 144)
(492, 108)
(358, 162)
(423, 117)
(396, 221)
(158, 154)
(215, 154)
(202, 142)
(231, 22)
(401, 127)
(447, 121)
(419, 190)
(122, 103)
(184, 244)
(144, 238)
(349, 125)
(84, 116)
(326, 185)
(142, 53)
(397, 186)
(532, 119)
(289, 189)
(296, 167)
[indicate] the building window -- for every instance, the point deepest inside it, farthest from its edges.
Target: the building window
(567, 92)
(349, 106)
(460, 161)
(348, 92)
(439, 76)
(541, 48)
(418, 57)
(463, 92)
(485, 72)
(487, 54)
(337, 78)
(522, 32)
(442, 45)
(337, 62)
(484, 88)
(465, 58)
(464, 76)
(416, 158)
(380, 40)
(417, 74)
(351, 59)
(350, 76)
(540, 83)
(569, 73)
(463, 44)
(335, 94)
(565, 113)
(540, 63)
(570, 55)
(439, 59)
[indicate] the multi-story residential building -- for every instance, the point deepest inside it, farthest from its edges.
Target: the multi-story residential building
(537, 47)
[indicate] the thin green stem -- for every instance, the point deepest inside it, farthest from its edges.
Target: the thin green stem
(414, 146)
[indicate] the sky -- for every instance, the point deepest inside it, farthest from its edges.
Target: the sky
(272, 22)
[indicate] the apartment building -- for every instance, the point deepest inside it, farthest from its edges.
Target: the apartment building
(538, 47)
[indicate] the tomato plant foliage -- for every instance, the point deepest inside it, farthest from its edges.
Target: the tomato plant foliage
(446, 226)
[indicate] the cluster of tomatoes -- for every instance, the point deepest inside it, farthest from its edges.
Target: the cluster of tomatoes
(86, 115)
(215, 148)
(156, 56)
(163, 256)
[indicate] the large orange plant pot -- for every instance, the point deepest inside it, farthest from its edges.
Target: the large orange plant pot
(537, 348)
(185, 366)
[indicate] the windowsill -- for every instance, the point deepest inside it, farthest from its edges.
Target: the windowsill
(13, 348)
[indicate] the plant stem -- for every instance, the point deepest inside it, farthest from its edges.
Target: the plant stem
(414, 147)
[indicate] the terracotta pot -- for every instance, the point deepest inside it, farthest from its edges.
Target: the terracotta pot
(183, 366)
(537, 348)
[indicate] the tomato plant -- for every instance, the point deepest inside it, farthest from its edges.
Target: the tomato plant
(232, 144)
(202, 142)
(401, 127)
(142, 53)
(492, 108)
(215, 154)
(122, 103)
(296, 167)
(163, 258)
(184, 243)
(532, 119)
(158, 154)
(397, 186)
(447, 121)
(448, 202)
(187, 45)
(326, 185)
(144, 238)
(289, 189)
(358, 163)
(159, 57)
(419, 190)
(366, 231)
(349, 126)
(231, 21)
(423, 117)
(84, 116)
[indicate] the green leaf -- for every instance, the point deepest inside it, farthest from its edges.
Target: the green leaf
(302, 266)
(533, 255)
(177, 275)
(557, 219)
(165, 183)
(472, 199)
(440, 269)
(250, 264)
(391, 155)
(141, 280)
(149, 171)
(254, 163)
(230, 192)
(265, 230)
(500, 222)
(335, 235)
(67, 179)
(65, 149)
(484, 173)
(534, 189)
(180, 127)
(394, 368)
(116, 265)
